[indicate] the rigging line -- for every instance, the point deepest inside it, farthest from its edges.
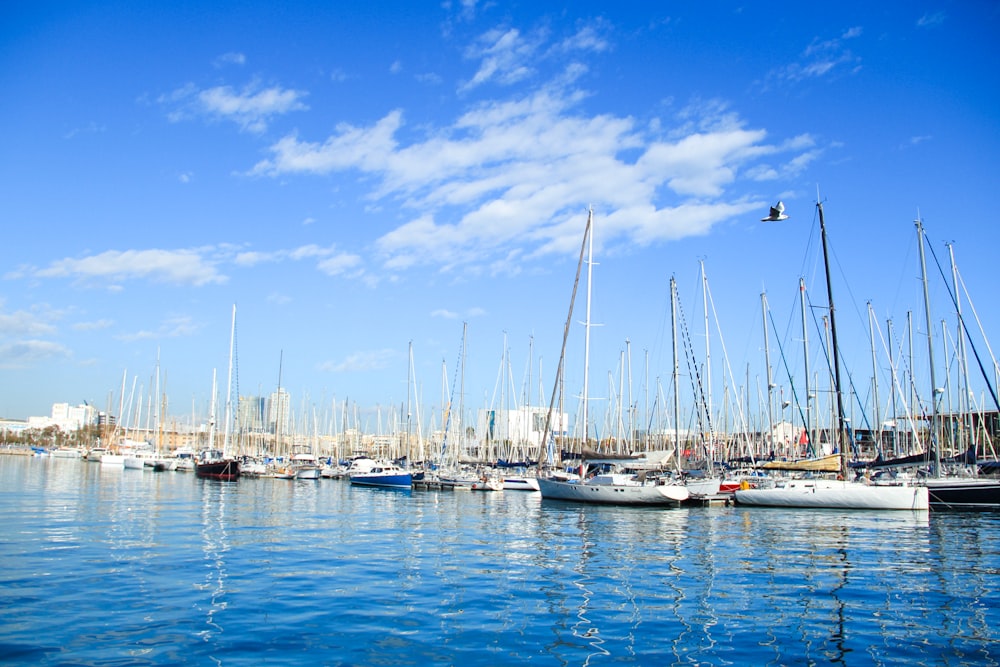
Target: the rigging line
(569, 321)
(454, 381)
(697, 387)
(850, 378)
(725, 356)
(791, 382)
(961, 321)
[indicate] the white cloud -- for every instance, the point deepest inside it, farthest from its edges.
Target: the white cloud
(338, 264)
(24, 323)
(181, 267)
(173, 327)
(518, 174)
(505, 57)
(96, 325)
(510, 179)
(251, 108)
(23, 353)
(231, 58)
(360, 362)
(821, 58)
(931, 20)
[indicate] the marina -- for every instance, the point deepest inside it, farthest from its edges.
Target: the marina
(132, 567)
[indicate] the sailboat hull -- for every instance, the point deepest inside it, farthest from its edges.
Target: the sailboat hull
(968, 493)
(670, 495)
(226, 470)
(836, 494)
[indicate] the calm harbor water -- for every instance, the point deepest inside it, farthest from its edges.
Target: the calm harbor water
(139, 568)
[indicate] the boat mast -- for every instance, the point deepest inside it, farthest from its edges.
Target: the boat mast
(770, 375)
(676, 372)
(805, 346)
(875, 400)
(555, 457)
(964, 406)
(834, 348)
(708, 365)
(229, 386)
(586, 338)
(934, 441)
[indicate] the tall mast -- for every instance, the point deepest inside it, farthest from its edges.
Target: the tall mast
(935, 443)
(805, 346)
(875, 399)
(211, 416)
(586, 338)
(964, 407)
(708, 361)
(835, 350)
(229, 386)
(770, 376)
(676, 371)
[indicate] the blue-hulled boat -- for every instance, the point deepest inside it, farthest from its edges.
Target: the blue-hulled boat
(383, 474)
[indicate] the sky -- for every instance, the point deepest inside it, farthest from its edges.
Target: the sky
(394, 196)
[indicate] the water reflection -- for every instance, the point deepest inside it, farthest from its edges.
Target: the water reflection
(215, 547)
(128, 568)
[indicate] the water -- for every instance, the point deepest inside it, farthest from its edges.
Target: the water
(139, 568)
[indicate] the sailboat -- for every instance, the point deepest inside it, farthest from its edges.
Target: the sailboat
(839, 493)
(212, 465)
(948, 491)
(608, 488)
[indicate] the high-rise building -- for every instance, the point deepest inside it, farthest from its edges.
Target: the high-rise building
(278, 412)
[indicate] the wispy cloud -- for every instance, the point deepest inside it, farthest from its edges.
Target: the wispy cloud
(359, 362)
(89, 128)
(173, 327)
(96, 325)
(251, 108)
(24, 323)
(22, 353)
(822, 57)
(931, 20)
(505, 57)
(182, 267)
(231, 58)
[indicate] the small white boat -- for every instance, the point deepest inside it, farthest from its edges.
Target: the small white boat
(615, 489)
(111, 460)
(519, 483)
(703, 487)
(487, 483)
(305, 466)
(67, 453)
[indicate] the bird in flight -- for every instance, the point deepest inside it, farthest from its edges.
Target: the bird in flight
(777, 213)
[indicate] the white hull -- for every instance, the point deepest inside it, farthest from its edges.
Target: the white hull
(133, 463)
(614, 494)
(704, 488)
(520, 484)
(836, 494)
(67, 453)
(112, 461)
(307, 473)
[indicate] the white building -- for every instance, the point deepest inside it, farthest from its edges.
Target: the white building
(66, 417)
(519, 429)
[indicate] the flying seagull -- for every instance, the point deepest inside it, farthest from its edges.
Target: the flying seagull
(777, 213)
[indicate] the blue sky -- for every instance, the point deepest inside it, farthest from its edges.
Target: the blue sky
(360, 176)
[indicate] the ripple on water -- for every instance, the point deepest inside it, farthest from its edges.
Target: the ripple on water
(161, 569)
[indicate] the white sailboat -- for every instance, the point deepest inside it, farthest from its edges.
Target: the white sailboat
(837, 493)
(612, 488)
